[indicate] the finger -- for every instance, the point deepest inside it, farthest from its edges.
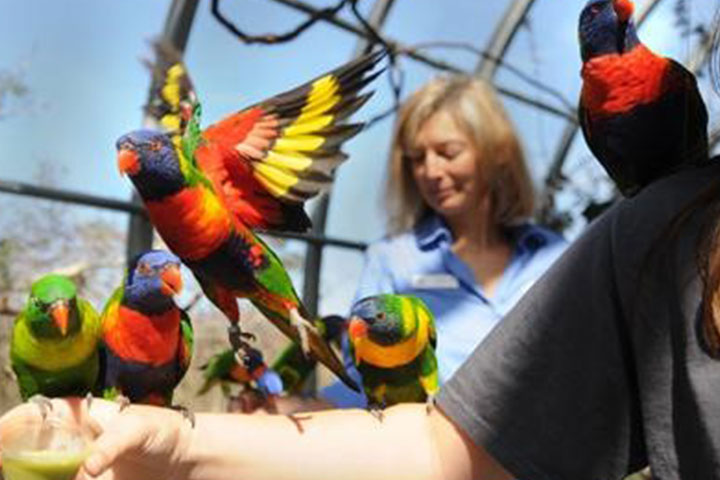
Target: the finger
(117, 439)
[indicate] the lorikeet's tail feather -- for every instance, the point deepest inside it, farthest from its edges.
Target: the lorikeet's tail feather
(293, 367)
(319, 349)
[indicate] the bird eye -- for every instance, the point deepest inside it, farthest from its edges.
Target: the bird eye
(155, 145)
(595, 9)
(380, 316)
(144, 269)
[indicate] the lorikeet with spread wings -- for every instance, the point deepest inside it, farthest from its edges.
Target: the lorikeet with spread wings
(54, 345)
(641, 114)
(207, 191)
(392, 343)
(147, 341)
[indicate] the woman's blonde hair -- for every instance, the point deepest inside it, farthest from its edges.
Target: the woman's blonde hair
(477, 111)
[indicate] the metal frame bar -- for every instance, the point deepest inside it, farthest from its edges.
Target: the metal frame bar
(313, 259)
(423, 58)
(122, 206)
(176, 33)
(502, 37)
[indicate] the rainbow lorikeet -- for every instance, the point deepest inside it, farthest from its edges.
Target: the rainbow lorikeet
(641, 114)
(54, 345)
(207, 191)
(147, 341)
(392, 343)
(247, 368)
(288, 372)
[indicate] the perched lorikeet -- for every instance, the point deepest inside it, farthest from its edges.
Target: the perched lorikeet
(392, 342)
(147, 340)
(54, 345)
(641, 114)
(246, 368)
(207, 191)
(295, 368)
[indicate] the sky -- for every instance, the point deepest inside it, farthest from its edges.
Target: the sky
(80, 61)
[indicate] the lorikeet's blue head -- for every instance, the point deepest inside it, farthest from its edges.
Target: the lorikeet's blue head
(267, 380)
(153, 278)
(52, 309)
(377, 318)
(149, 158)
(606, 27)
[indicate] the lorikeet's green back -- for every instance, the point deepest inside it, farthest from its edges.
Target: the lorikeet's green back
(392, 342)
(47, 362)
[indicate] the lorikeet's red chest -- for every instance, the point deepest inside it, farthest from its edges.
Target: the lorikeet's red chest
(615, 84)
(193, 222)
(135, 337)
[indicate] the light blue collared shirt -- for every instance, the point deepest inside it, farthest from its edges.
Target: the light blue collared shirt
(421, 263)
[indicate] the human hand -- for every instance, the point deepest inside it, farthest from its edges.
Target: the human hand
(139, 442)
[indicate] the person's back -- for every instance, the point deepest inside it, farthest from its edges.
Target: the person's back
(602, 368)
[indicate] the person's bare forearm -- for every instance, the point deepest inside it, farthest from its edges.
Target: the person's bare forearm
(347, 444)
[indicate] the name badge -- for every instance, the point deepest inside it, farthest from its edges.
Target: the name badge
(435, 281)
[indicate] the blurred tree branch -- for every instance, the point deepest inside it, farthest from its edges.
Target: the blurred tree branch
(11, 85)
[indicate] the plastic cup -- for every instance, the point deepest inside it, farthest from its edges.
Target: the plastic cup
(37, 449)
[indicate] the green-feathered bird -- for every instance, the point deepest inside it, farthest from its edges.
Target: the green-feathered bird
(295, 368)
(54, 346)
(392, 342)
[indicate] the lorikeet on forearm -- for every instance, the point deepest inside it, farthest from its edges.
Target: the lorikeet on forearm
(392, 342)
(641, 114)
(54, 345)
(207, 191)
(147, 340)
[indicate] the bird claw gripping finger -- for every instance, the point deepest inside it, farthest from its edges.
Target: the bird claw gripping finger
(376, 410)
(43, 403)
(429, 403)
(302, 326)
(123, 402)
(186, 413)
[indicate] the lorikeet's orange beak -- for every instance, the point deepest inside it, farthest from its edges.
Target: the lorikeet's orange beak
(172, 280)
(128, 161)
(623, 9)
(357, 328)
(60, 314)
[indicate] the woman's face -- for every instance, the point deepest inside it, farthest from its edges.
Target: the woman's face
(444, 163)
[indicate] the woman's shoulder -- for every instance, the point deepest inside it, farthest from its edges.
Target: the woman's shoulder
(393, 242)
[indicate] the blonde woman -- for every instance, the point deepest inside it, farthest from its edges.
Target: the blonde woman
(458, 199)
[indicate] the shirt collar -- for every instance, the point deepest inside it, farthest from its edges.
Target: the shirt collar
(528, 237)
(432, 229)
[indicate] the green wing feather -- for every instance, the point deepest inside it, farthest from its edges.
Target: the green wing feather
(187, 343)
